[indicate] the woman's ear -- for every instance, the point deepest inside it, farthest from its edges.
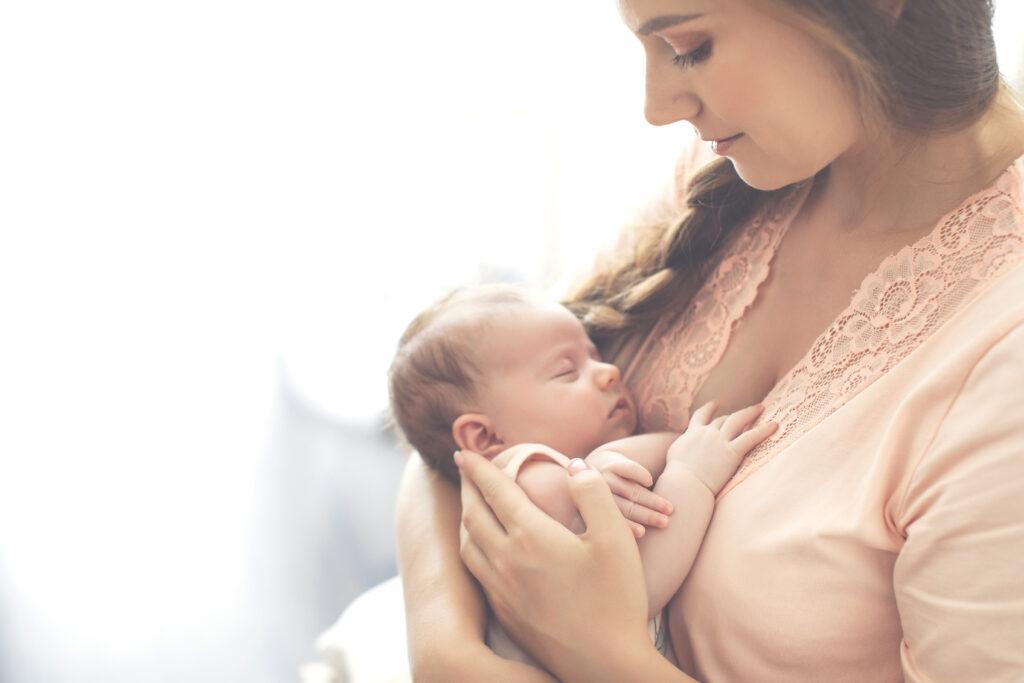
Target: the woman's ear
(475, 432)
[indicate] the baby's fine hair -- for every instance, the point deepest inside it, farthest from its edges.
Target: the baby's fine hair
(435, 374)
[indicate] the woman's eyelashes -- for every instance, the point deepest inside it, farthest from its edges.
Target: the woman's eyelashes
(694, 57)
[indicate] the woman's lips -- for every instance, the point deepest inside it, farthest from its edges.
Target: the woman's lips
(722, 146)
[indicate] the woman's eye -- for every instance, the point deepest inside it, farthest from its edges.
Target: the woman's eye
(695, 57)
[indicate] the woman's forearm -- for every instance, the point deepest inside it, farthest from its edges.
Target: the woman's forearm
(443, 604)
(623, 664)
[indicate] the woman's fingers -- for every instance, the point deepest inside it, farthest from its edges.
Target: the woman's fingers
(746, 441)
(595, 502)
(474, 558)
(703, 414)
(509, 503)
(478, 521)
(736, 423)
(719, 421)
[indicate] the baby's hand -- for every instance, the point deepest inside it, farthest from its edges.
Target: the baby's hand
(629, 482)
(714, 448)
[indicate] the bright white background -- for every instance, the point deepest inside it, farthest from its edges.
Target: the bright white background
(215, 219)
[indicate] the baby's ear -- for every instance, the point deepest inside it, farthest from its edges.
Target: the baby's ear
(475, 432)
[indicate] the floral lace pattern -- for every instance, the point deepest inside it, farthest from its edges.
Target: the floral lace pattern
(912, 293)
(679, 354)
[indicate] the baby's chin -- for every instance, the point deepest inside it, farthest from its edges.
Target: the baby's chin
(625, 426)
(629, 426)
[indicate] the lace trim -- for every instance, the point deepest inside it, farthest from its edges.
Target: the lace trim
(680, 353)
(911, 294)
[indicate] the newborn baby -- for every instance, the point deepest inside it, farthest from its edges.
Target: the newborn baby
(495, 370)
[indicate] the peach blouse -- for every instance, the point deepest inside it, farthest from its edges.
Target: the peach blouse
(879, 534)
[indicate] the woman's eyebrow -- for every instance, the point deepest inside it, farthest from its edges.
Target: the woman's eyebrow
(659, 23)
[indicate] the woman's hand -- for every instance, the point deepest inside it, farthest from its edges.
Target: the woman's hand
(576, 603)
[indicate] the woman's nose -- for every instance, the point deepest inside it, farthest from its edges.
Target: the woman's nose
(668, 99)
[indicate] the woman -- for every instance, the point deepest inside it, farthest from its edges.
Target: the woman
(872, 150)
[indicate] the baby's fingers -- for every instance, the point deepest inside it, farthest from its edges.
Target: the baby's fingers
(740, 420)
(637, 514)
(746, 441)
(630, 469)
(637, 504)
(703, 414)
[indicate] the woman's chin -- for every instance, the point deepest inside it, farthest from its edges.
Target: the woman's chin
(765, 179)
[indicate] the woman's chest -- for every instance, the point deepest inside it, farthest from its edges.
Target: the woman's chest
(806, 288)
(794, 577)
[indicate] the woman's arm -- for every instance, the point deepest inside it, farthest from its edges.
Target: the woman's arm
(576, 603)
(958, 577)
(443, 604)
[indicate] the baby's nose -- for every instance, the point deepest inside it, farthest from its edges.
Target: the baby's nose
(609, 374)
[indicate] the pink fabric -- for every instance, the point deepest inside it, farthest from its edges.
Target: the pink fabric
(878, 535)
(512, 459)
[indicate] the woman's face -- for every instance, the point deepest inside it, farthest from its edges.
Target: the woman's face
(730, 69)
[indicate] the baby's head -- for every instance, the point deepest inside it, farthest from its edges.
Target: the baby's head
(491, 366)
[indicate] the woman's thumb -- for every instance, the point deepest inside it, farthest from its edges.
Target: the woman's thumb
(593, 498)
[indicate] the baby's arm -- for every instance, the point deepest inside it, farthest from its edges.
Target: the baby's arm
(544, 484)
(647, 449)
(700, 462)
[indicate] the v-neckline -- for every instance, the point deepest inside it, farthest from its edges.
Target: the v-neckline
(947, 238)
(672, 364)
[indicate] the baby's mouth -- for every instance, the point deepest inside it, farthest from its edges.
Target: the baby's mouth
(621, 404)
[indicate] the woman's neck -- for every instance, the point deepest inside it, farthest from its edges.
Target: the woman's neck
(890, 185)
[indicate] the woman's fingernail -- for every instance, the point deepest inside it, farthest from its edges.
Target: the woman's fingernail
(667, 507)
(458, 458)
(577, 465)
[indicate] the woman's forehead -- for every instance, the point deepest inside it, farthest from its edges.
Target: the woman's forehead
(647, 16)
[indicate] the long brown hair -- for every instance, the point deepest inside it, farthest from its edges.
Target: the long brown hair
(930, 68)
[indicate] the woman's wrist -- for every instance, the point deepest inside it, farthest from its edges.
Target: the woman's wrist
(640, 661)
(474, 661)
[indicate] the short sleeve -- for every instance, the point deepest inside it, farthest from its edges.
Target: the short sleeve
(959, 578)
(511, 460)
